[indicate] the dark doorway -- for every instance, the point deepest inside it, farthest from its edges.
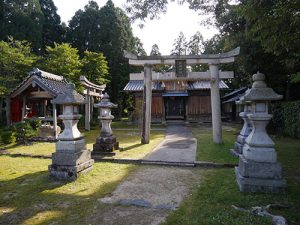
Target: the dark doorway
(175, 108)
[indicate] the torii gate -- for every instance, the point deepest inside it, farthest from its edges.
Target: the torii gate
(180, 62)
(90, 90)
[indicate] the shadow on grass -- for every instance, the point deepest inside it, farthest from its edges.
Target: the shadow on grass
(33, 198)
(130, 147)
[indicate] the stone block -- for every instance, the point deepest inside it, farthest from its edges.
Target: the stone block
(105, 145)
(248, 184)
(260, 154)
(249, 168)
(70, 172)
(71, 146)
(71, 159)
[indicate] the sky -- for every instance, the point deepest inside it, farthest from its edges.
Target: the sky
(163, 31)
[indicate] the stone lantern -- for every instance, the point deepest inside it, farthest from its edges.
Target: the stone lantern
(71, 157)
(245, 131)
(106, 142)
(258, 169)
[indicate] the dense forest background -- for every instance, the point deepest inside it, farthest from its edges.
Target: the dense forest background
(93, 42)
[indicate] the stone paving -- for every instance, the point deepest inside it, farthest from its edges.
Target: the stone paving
(179, 145)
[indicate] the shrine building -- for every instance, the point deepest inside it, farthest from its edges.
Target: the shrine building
(173, 97)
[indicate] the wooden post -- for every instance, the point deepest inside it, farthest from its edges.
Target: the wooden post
(24, 108)
(8, 112)
(54, 116)
(87, 110)
(147, 100)
(215, 103)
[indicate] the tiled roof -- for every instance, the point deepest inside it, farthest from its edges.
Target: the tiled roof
(137, 85)
(52, 83)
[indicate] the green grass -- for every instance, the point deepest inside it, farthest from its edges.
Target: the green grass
(209, 151)
(129, 140)
(29, 196)
(211, 202)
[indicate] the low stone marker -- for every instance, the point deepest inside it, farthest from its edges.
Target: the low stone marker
(258, 169)
(71, 157)
(245, 131)
(107, 141)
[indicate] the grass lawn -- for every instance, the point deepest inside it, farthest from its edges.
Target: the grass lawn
(211, 202)
(130, 144)
(28, 196)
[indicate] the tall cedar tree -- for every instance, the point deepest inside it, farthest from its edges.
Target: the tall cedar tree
(22, 20)
(85, 29)
(115, 37)
(53, 31)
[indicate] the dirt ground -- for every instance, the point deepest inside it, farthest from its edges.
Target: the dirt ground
(146, 197)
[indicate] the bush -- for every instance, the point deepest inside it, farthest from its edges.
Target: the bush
(24, 131)
(7, 137)
(286, 118)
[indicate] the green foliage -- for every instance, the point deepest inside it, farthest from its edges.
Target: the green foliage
(63, 60)
(24, 131)
(286, 118)
(23, 20)
(7, 136)
(85, 28)
(53, 31)
(95, 68)
(16, 60)
(180, 45)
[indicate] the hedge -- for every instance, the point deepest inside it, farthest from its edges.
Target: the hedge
(286, 118)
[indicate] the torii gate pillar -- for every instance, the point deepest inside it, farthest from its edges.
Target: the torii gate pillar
(147, 101)
(215, 103)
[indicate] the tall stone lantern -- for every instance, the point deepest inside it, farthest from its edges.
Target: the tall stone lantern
(258, 169)
(71, 156)
(107, 141)
(245, 131)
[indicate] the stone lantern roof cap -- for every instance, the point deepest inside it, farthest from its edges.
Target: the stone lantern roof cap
(105, 102)
(70, 96)
(260, 91)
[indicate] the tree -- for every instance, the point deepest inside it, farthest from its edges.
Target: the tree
(53, 31)
(63, 60)
(115, 37)
(85, 29)
(180, 45)
(155, 50)
(16, 60)
(95, 68)
(138, 47)
(22, 20)
(196, 44)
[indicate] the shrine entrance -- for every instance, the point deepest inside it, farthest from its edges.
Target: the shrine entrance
(175, 108)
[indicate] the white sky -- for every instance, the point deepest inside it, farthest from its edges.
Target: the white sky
(163, 32)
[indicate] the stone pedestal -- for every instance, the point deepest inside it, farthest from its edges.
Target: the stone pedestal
(106, 142)
(244, 133)
(71, 157)
(105, 145)
(258, 169)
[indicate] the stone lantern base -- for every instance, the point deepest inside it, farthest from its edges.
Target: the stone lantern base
(254, 176)
(105, 145)
(70, 160)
